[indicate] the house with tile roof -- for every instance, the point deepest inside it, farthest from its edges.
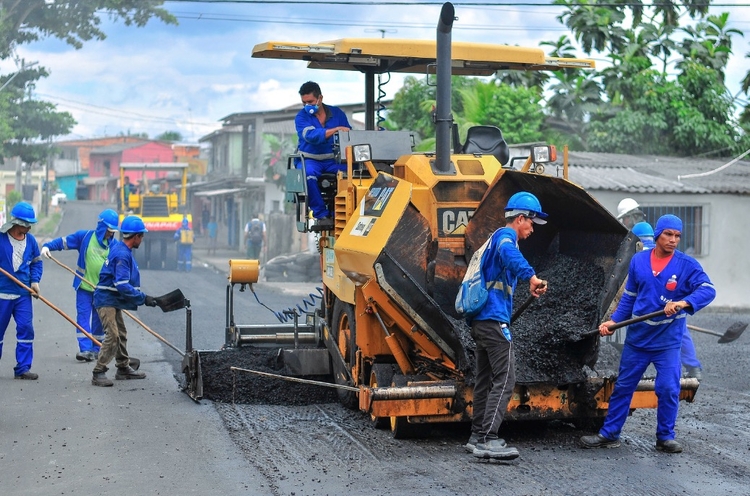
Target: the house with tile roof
(711, 196)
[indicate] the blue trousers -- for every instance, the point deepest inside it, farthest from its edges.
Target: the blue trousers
(184, 257)
(87, 318)
(687, 352)
(633, 364)
(313, 170)
(21, 311)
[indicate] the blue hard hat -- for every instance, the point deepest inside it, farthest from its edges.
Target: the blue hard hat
(132, 225)
(185, 223)
(110, 218)
(524, 203)
(642, 229)
(25, 212)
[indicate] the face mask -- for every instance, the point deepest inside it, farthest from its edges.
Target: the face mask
(311, 109)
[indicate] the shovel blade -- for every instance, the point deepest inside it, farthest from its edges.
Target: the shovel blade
(172, 301)
(734, 331)
(191, 367)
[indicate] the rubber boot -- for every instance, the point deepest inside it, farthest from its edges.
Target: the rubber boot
(128, 373)
(100, 379)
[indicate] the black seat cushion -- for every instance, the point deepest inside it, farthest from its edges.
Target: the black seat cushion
(487, 140)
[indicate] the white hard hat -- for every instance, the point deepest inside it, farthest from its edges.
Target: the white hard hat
(626, 206)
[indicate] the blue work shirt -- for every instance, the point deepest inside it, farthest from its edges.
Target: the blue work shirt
(28, 272)
(313, 143)
(80, 240)
(120, 281)
(682, 279)
(505, 265)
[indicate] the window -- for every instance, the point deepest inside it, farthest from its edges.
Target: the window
(694, 239)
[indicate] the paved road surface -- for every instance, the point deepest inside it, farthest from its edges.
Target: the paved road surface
(60, 435)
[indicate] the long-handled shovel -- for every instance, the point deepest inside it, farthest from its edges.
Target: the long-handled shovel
(171, 305)
(170, 302)
(53, 307)
(733, 331)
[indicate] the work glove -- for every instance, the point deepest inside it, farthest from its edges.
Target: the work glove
(45, 252)
(35, 288)
(150, 301)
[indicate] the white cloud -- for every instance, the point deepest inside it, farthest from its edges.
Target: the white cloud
(187, 77)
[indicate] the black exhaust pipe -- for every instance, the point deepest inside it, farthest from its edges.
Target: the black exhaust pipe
(443, 115)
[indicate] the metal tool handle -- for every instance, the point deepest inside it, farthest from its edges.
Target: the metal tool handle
(635, 320)
(525, 304)
(624, 323)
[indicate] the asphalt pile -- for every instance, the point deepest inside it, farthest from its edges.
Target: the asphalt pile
(547, 340)
(547, 336)
(223, 385)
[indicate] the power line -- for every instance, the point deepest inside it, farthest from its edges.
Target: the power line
(440, 2)
(109, 111)
(327, 22)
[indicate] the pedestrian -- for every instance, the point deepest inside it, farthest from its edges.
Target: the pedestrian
(490, 328)
(629, 212)
(688, 356)
(184, 237)
(661, 278)
(213, 231)
(91, 257)
(118, 290)
(316, 124)
(205, 218)
(255, 238)
(20, 257)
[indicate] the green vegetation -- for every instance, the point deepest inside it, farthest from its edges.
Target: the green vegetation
(663, 93)
(26, 124)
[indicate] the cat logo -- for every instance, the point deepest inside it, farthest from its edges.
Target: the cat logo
(453, 221)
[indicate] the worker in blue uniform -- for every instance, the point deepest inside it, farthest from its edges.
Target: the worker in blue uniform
(184, 236)
(688, 356)
(20, 257)
(316, 124)
(119, 289)
(662, 278)
(91, 257)
(490, 328)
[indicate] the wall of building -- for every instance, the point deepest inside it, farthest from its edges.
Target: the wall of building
(725, 262)
(79, 150)
(149, 152)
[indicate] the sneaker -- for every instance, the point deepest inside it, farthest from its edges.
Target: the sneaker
(100, 379)
(668, 446)
(495, 449)
(694, 372)
(472, 443)
(85, 356)
(128, 373)
(28, 376)
(598, 441)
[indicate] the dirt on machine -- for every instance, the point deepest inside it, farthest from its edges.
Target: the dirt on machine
(384, 331)
(156, 199)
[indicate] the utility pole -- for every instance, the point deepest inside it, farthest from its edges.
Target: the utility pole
(45, 193)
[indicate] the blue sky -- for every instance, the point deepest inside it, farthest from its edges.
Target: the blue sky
(187, 77)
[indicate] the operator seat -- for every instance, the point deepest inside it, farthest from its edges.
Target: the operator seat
(487, 140)
(327, 185)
